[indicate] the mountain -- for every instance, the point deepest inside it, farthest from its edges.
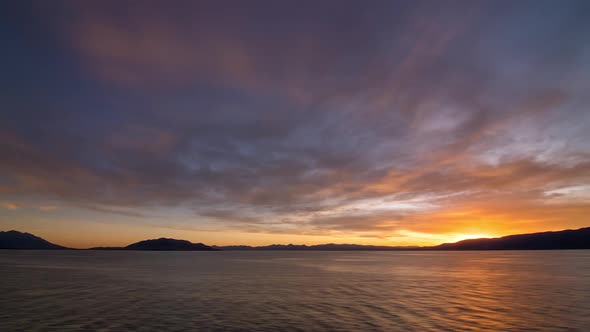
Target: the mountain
(165, 244)
(274, 247)
(106, 248)
(319, 247)
(567, 239)
(358, 247)
(18, 240)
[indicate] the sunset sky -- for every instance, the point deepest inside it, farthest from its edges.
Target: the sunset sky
(260, 122)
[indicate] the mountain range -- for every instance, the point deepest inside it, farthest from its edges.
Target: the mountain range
(162, 244)
(318, 247)
(18, 240)
(566, 239)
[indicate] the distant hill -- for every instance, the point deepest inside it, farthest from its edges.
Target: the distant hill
(162, 244)
(281, 247)
(18, 240)
(167, 244)
(319, 247)
(568, 239)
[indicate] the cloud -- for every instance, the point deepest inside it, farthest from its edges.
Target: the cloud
(9, 205)
(48, 207)
(371, 120)
(19, 206)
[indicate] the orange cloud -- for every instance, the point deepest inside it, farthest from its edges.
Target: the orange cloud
(9, 205)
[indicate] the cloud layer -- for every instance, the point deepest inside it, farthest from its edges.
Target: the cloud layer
(378, 120)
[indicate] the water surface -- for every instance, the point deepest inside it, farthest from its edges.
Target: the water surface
(294, 291)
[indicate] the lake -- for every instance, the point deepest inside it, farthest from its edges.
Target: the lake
(295, 291)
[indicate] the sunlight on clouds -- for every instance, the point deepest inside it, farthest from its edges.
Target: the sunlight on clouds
(27, 205)
(461, 237)
(48, 207)
(9, 205)
(570, 194)
(389, 203)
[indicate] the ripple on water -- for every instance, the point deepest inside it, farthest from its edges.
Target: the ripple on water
(294, 291)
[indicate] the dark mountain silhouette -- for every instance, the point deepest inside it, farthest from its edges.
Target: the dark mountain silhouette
(106, 248)
(319, 247)
(18, 240)
(167, 244)
(567, 239)
(333, 246)
(161, 244)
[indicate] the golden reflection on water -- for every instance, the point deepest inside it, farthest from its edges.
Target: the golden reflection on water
(305, 291)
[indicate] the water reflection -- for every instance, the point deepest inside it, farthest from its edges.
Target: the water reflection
(306, 291)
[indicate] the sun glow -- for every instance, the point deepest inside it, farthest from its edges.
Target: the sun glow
(461, 237)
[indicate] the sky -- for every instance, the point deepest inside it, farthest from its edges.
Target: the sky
(259, 122)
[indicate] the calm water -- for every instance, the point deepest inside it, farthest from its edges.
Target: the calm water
(294, 291)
